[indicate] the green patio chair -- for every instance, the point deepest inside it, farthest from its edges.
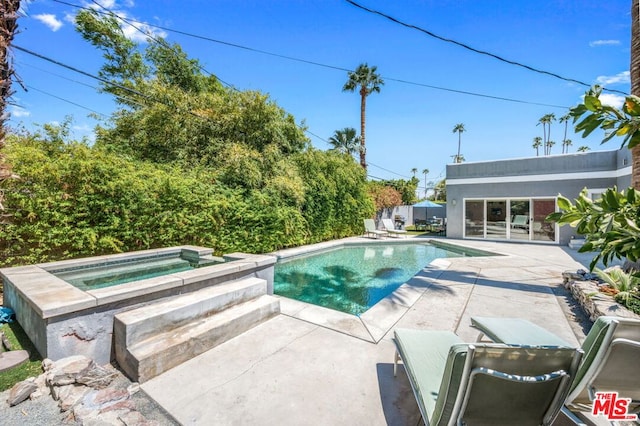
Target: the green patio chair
(484, 383)
(612, 351)
(520, 221)
(370, 229)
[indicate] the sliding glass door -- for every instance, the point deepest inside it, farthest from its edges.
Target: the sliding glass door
(474, 219)
(496, 219)
(542, 230)
(520, 219)
(519, 215)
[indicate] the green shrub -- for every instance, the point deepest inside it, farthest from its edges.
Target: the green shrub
(73, 200)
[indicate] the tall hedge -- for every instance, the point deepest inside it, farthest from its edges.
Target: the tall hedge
(73, 200)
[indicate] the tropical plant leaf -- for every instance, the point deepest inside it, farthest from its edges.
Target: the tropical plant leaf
(592, 103)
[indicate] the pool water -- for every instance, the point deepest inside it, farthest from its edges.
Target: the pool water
(353, 279)
(114, 273)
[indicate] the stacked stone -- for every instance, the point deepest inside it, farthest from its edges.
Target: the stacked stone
(86, 392)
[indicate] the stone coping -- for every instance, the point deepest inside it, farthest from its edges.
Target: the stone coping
(375, 323)
(51, 296)
(358, 241)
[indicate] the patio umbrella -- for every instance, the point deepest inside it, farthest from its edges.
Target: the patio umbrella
(429, 211)
(428, 204)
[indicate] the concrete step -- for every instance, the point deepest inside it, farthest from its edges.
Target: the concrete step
(576, 243)
(170, 347)
(139, 324)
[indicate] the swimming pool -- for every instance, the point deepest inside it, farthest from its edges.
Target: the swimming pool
(106, 274)
(352, 279)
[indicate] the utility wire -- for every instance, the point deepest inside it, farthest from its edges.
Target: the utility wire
(368, 162)
(334, 67)
(473, 49)
(57, 75)
(153, 38)
(226, 43)
(103, 80)
(147, 34)
(66, 100)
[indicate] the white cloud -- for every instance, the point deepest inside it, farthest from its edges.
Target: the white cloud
(612, 100)
(18, 112)
(596, 43)
(135, 31)
(70, 18)
(622, 77)
(84, 131)
(49, 20)
(108, 4)
(139, 31)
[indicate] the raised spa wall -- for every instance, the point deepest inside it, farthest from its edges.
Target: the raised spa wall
(62, 320)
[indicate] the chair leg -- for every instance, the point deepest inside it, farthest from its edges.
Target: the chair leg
(396, 358)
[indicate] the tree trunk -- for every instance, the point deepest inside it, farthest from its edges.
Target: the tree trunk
(635, 85)
(8, 25)
(363, 147)
(458, 156)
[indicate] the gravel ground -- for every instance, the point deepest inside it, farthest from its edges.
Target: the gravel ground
(44, 411)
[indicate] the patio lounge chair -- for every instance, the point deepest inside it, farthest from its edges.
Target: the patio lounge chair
(520, 221)
(611, 349)
(484, 383)
(370, 229)
(388, 226)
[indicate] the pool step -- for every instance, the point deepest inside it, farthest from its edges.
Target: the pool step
(152, 339)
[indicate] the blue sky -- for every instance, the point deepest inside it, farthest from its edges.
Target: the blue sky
(408, 125)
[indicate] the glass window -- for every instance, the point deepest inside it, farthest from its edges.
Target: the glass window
(512, 219)
(474, 219)
(496, 219)
(542, 230)
(519, 219)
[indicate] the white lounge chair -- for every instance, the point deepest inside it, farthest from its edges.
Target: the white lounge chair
(388, 226)
(520, 221)
(370, 229)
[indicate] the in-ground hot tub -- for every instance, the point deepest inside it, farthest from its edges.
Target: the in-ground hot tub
(67, 308)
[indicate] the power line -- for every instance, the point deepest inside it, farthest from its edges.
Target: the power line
(149, 35)
(57, 75)
(226, 43)
(103, 80)
(473, 49)
(66, 100)
(319, 64)
(368, 162)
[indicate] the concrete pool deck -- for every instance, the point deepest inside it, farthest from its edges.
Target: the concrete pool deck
(303, 369)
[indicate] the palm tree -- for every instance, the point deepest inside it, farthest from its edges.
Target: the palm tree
(425, 172)
(8, 26)
(565, 145)
(367, 81)
(414, 171)
(546, 120)
(458, 128)
(537, 143)
(345, 141)
(635, 85)
(564, 119)
(583, 148)
(548, 146)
